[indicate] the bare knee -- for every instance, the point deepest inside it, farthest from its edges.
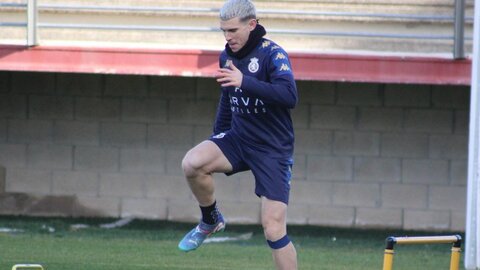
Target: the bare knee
(192, 165)
(203, 160)
(273, 228)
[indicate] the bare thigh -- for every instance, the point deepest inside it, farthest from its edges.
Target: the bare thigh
(206, 157)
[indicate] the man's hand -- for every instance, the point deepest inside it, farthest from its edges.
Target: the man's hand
(230, 76)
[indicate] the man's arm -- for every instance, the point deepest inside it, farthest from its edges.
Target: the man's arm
(281, 90)
(223, 120)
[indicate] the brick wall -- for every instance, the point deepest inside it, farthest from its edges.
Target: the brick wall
(367, 155)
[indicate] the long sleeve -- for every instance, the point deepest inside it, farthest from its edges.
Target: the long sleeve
(223, 120)
(281, 90)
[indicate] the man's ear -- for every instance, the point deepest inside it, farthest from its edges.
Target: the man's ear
(252, 24)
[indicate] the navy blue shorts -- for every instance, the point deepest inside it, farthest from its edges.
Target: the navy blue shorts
(272, 174)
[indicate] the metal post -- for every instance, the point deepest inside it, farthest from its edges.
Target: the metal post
(388, 259)
(455, 258)
(32, 14)
(458, 46)
(388, 255)
(472, 231)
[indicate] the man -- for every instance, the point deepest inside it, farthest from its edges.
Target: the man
(252, 131)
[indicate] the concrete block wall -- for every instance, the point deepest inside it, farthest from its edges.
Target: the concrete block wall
(376, 155)
(367, 155)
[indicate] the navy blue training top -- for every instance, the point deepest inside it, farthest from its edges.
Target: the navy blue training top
(259, 111)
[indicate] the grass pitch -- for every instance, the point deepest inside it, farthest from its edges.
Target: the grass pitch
(153, 245)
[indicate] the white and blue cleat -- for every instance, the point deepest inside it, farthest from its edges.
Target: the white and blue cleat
(197, 235)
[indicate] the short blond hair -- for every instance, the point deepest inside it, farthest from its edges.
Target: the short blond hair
(244, 9)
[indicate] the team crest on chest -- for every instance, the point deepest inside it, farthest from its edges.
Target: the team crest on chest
(253, 66)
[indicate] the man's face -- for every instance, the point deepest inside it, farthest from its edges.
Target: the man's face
(237, 32)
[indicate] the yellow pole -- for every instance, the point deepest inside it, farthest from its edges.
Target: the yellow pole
(426, 239)
(388, 259)
(455, 258)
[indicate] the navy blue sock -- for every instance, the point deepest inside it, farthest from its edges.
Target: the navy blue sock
(210, 213)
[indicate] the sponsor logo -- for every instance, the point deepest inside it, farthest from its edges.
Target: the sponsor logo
(280, 56)
(247, 105)
(219, 136)
(284, 67)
